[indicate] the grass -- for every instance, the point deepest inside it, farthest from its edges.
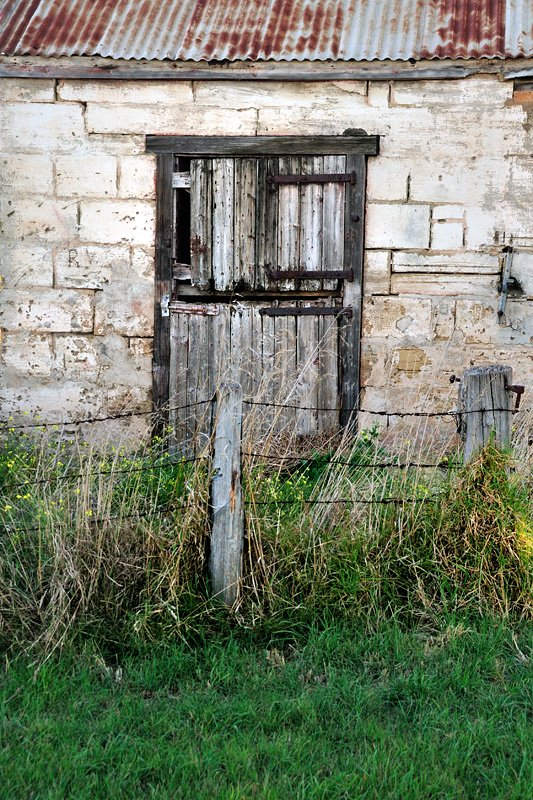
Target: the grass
(377, 650)
(113, 541)
(336, 712)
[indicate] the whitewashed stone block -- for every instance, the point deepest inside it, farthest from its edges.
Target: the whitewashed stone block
(91, 266)
(143, 262)
(397, 318)
(76, 356)
(470, 92)
(387, 179)
(482, 227)
(444, 319)
(56, 401)
(137, 177)
(272, 94)
(467, 180)
(178, 120)
(27, 353)
(126, 308)
(86, 176)
(376, 273)
(27, 174)
(27, 90)
(448, 212)
(446, 235)
(43, 127)
(522, 269)
(131, 222)
(141, 347)
(477, 321)
(397, 226)
(42, 219)
(126, 92)
(453, 262)
(123, 145)
(378, 94)
(26, 265)
(451, 286)
(46, 310)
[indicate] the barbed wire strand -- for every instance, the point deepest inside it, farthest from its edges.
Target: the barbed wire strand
(78, 475)
(90, 420)
(309, 462)
(365, 501)
(379, 413)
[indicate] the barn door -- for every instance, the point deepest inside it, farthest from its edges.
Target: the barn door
(266, 289)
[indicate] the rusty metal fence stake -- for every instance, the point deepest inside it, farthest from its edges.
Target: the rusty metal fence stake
(227, 506)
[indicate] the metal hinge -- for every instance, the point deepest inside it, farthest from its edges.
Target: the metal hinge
(194, 308)
(165, 300)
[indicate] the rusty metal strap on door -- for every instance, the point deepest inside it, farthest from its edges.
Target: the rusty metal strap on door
(336, 177)
(311, 274)
(194, 308)
(307, 311)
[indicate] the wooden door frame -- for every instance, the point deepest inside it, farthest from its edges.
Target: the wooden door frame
(355, 147)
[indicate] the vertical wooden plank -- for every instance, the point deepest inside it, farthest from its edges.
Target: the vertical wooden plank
(266, 223)
(179, 357)
(353, 259)
(285, 373)
(219, 348)
(289, 222)
(197, 419)
(311, 222)
(266, 326)
(307, 370)
(245, 214)
(201, 222)
(163, 287)
(333, 219)
(227, 505)
(223, 222)
(328, 373)
(486, 405)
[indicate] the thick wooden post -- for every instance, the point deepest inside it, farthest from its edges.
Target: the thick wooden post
(485, 404)
(227, 532)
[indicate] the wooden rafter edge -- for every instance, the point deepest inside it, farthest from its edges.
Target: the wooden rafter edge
(100, 68)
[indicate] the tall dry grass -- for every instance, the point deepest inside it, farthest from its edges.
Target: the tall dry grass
(107, 535)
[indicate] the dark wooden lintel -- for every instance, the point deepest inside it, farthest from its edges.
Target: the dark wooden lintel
(359, 143)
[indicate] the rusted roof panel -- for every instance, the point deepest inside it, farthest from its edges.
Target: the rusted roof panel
(291, 30)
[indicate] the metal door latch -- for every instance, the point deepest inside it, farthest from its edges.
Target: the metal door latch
(165, 300)
(519, 391)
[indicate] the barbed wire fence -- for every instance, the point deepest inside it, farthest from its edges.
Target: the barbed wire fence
(328, 462)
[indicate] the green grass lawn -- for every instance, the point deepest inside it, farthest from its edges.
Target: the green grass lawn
(335, 713)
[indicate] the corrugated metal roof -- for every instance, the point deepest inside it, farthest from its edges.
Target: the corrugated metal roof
(291, 30)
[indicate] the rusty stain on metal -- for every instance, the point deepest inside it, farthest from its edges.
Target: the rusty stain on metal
(259, 30)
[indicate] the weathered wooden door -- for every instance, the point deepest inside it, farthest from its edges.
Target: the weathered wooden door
(266, 286)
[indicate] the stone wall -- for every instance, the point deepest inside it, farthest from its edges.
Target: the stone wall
(452, 186)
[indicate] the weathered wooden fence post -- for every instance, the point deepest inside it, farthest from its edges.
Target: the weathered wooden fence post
(227, 532)
(485, 405)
